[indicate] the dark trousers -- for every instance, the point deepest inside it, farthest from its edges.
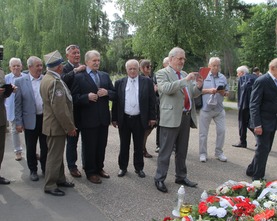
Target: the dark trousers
(94, 142)
(244, 117)
(2, 142)
(71, 151)
(31, 138)
(258, 164)
(131, 127)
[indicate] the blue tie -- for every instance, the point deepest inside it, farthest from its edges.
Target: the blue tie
(275, 80)
(95, 78)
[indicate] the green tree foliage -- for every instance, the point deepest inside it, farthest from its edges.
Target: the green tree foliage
(202, 27)
(259, 37)
(36, 27)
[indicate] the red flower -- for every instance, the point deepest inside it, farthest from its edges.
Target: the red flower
(202, 208)
(167, 218)
(237, 187)
(212, 199)
(186, 218)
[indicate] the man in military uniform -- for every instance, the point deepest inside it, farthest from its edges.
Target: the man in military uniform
(57, 122)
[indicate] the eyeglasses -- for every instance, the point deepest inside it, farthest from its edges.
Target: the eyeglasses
(71, 47)
(148, 67)
(181, 58)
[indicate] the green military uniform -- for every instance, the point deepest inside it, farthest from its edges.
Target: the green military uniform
(57, 122)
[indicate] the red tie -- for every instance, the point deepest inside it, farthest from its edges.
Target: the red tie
(186, 101)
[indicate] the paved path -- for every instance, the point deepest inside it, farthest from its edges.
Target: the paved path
(129, 198)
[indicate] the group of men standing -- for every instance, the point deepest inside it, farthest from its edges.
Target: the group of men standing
(73, 99)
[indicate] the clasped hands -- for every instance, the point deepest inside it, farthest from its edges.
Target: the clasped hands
(100, 93)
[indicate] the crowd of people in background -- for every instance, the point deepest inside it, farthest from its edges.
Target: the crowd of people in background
(72, 100)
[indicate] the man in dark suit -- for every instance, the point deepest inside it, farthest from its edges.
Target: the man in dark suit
(245, 84)
(70, 69)
(28, 114)
(3, 121)
(92, 89)
(263, 110)
(132, 112)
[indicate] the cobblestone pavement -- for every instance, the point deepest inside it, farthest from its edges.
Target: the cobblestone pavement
(129, 198)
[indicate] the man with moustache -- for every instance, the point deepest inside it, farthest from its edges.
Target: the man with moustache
(133, 111)
(92, 89)
(29, 115)
(70, 69)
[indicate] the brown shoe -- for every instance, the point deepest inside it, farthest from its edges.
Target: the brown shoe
(18, 156)
(95, 179)
(147, 155)
(75, 173)
(104, 174)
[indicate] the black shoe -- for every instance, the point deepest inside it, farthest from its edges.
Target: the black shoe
(34, 176)
(161, 186)
(66, 184)
(55, 192)
(249, 170)
(4, 181)
(121, 173)
(240, 145)
(186, 182)
(140, 173)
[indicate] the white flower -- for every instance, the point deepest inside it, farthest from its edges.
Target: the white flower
(273, 197)
(221, 212)
(256, 203)
(212, 210)
(225, 190)
(269, 204)
(257, 184)
(224, 203)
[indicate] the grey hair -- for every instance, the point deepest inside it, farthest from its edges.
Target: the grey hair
(131, 61)
(174, 51)
(243, 69)
(213, 59)
(90, 54)
(12, 60)
(31, 60)
(166, 60)
(273, 63)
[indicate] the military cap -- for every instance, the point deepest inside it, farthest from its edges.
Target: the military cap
(53, 59)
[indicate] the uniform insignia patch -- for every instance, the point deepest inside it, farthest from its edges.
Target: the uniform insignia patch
(59, 93)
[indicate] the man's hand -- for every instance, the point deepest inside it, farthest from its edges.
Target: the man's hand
(114, 123)
(82, 67)
(19, 129)
(92, 97)
(102, 92)
(258, 130)
(2, 90)
(72, 133)
(152, 123)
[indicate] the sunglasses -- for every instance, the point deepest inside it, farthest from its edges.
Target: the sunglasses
(72, 47)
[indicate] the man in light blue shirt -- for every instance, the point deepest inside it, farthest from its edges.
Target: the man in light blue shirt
(215, 87)
(15, 65)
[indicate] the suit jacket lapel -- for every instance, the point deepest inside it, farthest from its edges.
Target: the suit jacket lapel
(89, 79)
(141, 86)
(29, 86)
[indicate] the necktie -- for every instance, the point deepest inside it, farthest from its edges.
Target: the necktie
(275, 80)
(95, 78)
(186, 100)
(133, 93)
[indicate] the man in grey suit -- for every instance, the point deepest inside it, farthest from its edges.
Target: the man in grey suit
(28, 114)
(177, 115)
